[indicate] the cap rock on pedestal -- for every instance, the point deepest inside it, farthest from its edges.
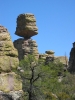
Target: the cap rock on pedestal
(26, 26)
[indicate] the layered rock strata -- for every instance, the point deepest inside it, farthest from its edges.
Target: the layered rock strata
(26, 26)
(25, 47)
(9, 81)
(8, 54)
(72, 60)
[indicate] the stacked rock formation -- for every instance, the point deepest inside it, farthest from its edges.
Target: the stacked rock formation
(72, 60)
(48, 53)
(8, 62)
(26, 28)
(50, 56)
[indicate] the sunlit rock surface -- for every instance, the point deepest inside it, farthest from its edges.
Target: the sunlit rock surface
(26, 25)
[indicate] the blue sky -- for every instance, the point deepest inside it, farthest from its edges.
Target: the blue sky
(55, 22)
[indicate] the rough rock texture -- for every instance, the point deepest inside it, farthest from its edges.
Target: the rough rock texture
(26, 26)
(25, 47)
(9, 81)
(62, 59)
(12, 95)
(72, 59)
(8, 54)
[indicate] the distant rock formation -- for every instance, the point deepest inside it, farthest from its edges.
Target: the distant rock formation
(72, 60)
(26, 26)
(50, 57)
(8, 63)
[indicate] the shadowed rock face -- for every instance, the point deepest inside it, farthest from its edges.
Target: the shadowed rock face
(5, 97)
(26, 26)
(72, 60)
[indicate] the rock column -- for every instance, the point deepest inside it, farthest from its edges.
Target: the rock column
(26, 28)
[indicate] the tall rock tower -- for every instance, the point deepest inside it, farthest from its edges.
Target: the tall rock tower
(72, 60)
(10, 85)
(26, 28)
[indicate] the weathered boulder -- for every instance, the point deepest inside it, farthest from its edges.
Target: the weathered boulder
(71, 67)
(8, 54)
(25, 47)
(26, 25)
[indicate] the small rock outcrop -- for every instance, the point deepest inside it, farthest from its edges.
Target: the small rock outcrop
(62, 59)
(71, 67)
(26, 28)
(26, 25)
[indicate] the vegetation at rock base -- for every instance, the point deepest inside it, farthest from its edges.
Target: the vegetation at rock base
(45, 82)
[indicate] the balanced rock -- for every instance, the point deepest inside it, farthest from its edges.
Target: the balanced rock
(72, 60)
(8, 54)
(25, 47)
(26, 25)
(50, 52)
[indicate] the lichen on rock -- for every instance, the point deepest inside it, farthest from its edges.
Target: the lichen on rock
(8, 54)
(26, 25)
